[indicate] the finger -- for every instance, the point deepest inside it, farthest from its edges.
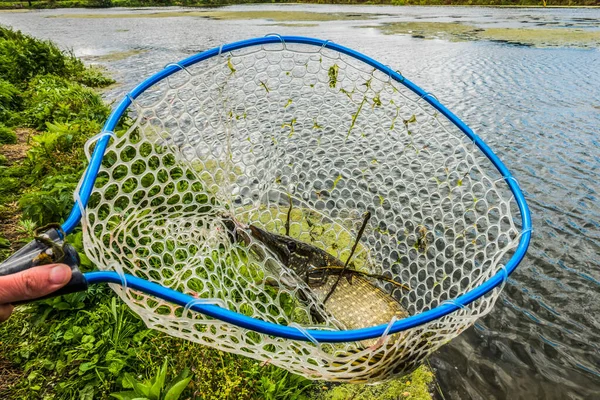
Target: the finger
(33, 283)
(5, 311)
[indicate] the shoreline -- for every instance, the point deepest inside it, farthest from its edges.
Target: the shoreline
(23, 6)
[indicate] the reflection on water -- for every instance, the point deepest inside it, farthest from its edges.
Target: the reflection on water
(539, 109)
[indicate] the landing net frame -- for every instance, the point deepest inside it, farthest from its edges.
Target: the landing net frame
(292, 332)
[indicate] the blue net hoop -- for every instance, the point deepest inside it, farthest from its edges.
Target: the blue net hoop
(277, 43)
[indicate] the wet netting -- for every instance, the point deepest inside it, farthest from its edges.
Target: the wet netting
(250, 172)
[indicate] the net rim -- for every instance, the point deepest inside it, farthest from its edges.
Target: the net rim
(273, 329)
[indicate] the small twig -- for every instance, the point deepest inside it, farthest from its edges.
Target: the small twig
(360, 233)
(323, 271)
(289, 214)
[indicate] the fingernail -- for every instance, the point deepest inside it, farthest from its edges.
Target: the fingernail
(59, 274)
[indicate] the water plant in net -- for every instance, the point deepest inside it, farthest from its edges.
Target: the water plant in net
(294, 201)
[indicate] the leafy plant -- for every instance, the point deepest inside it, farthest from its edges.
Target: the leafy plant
(23, 57)
(93, 77)
(10, 102)
(69, 342)
(50, 98)
(156, 388)
(7, 135)
(4, 243)
(9, 95)
(278, 384)
(27, 227)
(59, 150)
(52, 202)
(100, 3)
(8, 185)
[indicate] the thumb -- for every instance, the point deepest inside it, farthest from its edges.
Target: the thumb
(33, 283)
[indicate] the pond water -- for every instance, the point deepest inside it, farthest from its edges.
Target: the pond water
(538, 107)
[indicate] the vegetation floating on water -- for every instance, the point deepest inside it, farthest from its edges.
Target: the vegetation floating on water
(293, 25)
(453, 31)
(116, 55)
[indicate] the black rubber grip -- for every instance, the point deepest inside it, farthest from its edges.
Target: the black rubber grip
(42, 252)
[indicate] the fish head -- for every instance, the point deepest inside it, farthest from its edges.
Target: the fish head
(282, 246)
(294, 254)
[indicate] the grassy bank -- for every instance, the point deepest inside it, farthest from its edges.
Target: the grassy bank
(90, 345)
(157, 3)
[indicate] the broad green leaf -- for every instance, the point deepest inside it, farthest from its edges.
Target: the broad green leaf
(128, 381)
(87, 393)
(177, 389)
(113, 308)
(85, 260)
(87, 366)
(141, 389)
(128, 395)
(4, 243)
(115, 367)
(182, 375)
(159, 382)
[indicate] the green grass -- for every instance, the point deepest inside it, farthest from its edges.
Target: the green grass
(89, 345)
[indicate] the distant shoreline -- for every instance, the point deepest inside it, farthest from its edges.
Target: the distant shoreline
(49, 4)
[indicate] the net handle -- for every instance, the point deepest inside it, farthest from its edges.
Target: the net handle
(283, 331)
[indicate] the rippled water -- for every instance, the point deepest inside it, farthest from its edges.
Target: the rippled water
(539, 110)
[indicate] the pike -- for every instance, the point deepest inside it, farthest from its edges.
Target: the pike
(354, 301)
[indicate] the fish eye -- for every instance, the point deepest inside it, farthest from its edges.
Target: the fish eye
(291, 246)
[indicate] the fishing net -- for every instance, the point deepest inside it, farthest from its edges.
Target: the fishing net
(300, 139)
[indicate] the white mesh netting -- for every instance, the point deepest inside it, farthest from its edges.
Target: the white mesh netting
(241, 135)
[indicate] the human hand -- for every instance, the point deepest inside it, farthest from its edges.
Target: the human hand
(31, 284)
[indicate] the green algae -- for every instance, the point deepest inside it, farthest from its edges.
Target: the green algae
(279, 16)
(456, 32)
(116, 55)
(298, 25)
(452, 31)
(544, 37)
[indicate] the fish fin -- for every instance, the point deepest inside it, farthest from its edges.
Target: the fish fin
(271, 282)
(349, 278)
